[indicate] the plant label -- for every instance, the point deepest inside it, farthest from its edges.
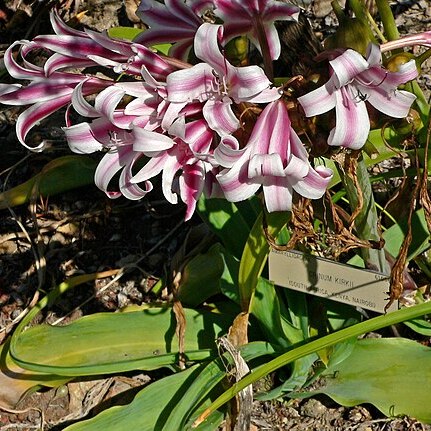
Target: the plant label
(331, 280)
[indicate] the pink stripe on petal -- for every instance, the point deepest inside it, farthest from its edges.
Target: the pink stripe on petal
(235, 183)
(220, 117)
(347, 65)
(79, 103)
(17, 71)
(59, 61)
(395, 105)
(273, 41)
(151, 169)
(246, 82)
(36, 92)
(191, 186)
(60, 27)
(105, 171)
(71, 46)
(198, 135)
(314, 185)
(81, 139)
(278, 195)
(352, 122)
(122, 47)
(296, 168)
(207, 49)
(130, 190)
(318, 101)
(147, 141)
(31, 116)
(265, 165)
(196, 83)
(170, 169)
(228, 152)
(107, 100)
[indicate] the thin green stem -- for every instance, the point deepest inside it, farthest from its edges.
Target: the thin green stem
(388, 19)
(359, 9)
(314, 346)
(376, 28)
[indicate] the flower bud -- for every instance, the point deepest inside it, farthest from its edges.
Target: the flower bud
(352, 33)
(396, 61)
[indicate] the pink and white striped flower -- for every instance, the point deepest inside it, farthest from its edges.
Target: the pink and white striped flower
(217, 83)
(52, 88)
(355, 80)
(173, 22)
(255, 18)
(182, 163)
(273, 158)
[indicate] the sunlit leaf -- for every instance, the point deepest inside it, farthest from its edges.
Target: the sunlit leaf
(167, 403)
(388, 373)
(314, 346)
(115, 342)
(59, 175)
(126, 33)
(255, 254)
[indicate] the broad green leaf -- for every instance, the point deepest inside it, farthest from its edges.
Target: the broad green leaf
(126, 33)
(388, 373)
(57, 176)
(115, 342)
(226, 221)
(209, 377)
(201, 277)
(15, 382)
(167, 403)
(316, 345)
(148, 411)
(265, 306)
(278, 329)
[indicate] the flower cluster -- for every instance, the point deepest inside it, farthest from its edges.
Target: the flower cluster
(206, 125)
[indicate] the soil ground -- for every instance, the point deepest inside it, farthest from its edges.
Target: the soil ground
(83, 232)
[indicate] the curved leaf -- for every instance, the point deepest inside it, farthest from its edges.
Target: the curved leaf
(388, 373)
(59, 175)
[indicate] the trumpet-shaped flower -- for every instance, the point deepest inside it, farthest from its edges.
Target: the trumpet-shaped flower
(182, 162)
(51, 88)
(355, 80)
(274, 158)
(217, 83)
(255, 18)
(175, 15)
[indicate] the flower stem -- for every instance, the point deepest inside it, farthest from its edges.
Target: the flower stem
(263, 42)
(388, 20)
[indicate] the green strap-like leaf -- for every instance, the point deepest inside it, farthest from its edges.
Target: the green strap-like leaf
(58, 176)
(255, 255)
(113, 342)
(315, 345)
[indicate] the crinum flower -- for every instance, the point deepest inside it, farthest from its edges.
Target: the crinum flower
(355, 81)
(255, 18)
(217, 83)
(273, 158)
